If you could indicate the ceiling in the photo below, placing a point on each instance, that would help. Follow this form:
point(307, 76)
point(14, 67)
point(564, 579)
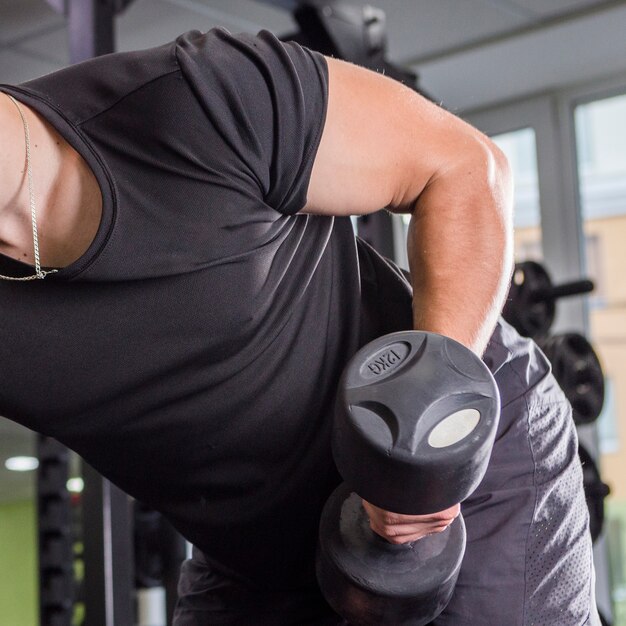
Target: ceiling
point(469, 54)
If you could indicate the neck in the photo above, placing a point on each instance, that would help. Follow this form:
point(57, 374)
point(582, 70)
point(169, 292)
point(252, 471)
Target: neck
point(65, 192)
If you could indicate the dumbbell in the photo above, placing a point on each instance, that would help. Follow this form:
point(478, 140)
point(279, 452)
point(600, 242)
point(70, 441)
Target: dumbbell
point(530, 305)
point(415, 421)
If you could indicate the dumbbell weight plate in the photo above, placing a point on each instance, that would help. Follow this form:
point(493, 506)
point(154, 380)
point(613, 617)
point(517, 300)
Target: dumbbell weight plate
point(577, 369)
point(415, 422)
point(372, 582)
point(595, 492)
point(531, 317)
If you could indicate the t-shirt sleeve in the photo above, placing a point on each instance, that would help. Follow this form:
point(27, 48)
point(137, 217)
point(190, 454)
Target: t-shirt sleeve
point(267, 99)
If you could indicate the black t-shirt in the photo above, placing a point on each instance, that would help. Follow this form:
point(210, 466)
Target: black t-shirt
point(191, 355)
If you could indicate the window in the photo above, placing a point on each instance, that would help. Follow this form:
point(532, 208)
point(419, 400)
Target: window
point(601, 150)
point(521, 151)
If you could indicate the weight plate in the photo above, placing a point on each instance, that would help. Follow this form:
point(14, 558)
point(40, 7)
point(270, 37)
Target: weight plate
point(530, 316)
point(595, 492)
point(578, 371)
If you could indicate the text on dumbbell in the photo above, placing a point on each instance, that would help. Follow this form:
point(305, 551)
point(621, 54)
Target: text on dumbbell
point(384, 362)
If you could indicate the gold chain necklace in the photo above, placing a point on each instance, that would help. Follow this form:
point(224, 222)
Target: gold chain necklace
point(39, 273)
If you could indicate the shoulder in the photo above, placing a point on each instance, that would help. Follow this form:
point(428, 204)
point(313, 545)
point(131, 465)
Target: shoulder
point(84, 90)
point(260, 67)
point(263, 49)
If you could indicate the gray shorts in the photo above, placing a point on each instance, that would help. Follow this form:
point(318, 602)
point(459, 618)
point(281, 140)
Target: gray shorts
point(528, 559)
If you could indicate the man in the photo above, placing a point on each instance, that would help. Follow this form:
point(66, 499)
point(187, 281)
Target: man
point(198, 290)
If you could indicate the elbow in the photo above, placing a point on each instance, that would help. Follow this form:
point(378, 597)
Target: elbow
point(500, 180)
point(504, 184)
point(503, 173)
point(494, 184)
point(500, 184)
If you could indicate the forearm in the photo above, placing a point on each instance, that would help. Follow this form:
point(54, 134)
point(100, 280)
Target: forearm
point(460, 248)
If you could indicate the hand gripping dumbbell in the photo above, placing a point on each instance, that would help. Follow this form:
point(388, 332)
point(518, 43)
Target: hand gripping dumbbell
point(415, 422)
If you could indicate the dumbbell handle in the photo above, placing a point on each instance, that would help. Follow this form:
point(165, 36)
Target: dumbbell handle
point(574, 288)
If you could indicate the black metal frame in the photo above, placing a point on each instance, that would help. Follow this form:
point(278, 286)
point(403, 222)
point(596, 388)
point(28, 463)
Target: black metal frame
point(56, 572)
point(108, 552)
point(91, 25)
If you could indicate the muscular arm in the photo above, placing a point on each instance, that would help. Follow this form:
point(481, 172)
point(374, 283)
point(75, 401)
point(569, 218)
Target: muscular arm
point(383, 145)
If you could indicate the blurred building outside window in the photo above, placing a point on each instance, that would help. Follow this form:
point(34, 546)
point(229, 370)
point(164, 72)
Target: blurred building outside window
point(521, 150)
point(601, 151)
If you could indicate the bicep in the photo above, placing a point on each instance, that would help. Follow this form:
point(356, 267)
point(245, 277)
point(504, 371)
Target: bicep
point(381, 145)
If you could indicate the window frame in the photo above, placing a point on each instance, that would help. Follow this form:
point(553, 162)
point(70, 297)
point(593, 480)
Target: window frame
point(552, 116)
